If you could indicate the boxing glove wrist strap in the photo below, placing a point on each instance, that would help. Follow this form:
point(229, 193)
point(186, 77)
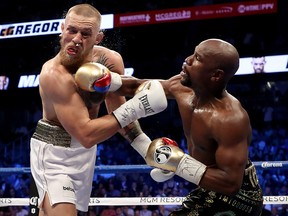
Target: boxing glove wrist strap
point(141, 144)
point(125, 114)
point(116, 82)
point(191, 169)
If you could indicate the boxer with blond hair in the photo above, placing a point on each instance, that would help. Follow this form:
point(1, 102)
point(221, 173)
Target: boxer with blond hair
point(63, 146)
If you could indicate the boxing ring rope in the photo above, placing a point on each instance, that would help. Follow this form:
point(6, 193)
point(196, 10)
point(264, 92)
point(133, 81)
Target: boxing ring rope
point(132, 201)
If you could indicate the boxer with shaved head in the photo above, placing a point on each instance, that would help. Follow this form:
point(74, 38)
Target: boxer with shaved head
point(218, 133)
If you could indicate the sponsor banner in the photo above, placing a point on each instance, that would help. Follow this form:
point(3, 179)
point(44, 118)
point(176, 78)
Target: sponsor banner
point(131, 201)
point(45, 27)
point(196, 13)
point(26, 29)
point(271, 164)
point(109, 21)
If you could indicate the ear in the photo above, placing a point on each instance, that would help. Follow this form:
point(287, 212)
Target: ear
point(99, 37)
point(62, 26)
point(217, 75)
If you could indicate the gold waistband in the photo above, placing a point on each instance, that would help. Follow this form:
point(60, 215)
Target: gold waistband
point(51, 134)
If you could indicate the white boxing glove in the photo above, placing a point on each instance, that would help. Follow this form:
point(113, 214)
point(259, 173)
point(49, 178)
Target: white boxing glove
point(160, 175)
point(149, 101)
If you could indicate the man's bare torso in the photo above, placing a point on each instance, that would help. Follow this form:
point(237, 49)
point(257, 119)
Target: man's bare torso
point(201, 122)
point(92, 100)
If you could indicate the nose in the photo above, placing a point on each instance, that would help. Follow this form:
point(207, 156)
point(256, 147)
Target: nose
point(188, 59)
point(77, 39)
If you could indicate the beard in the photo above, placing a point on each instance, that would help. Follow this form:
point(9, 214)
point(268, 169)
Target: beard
point(185, 81)
point(72, 63)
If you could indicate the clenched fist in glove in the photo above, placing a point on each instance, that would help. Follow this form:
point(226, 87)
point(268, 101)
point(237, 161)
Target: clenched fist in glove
point(96, 77)
point(149, 101)
point(141, 144)
point(164, 154)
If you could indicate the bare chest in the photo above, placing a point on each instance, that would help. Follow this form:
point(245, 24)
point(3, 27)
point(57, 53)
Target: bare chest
point(198, 128)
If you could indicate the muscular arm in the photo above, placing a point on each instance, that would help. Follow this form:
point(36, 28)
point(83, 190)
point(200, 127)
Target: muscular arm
point(114, 62)
point(63, 105)
point(171, 86)
point(232, 134)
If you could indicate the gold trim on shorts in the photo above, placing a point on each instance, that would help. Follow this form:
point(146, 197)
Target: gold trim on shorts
point(51, 134)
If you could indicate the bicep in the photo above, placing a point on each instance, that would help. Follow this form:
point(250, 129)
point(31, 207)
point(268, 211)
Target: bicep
point(113, 61)
point(232, 152)
point(69, 106)
point(116, 65)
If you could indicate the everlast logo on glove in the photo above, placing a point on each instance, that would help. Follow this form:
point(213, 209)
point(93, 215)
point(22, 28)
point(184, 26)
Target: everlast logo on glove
point(149, 101)
point(145, 102)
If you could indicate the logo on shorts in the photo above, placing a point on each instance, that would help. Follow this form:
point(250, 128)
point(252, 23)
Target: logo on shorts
point(68, 189)
point(162, 154)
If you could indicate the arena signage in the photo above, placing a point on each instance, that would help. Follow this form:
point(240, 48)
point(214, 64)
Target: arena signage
point(271, 64)
point(132, 201)
point(29, 81)
point(31, 28)
point(109, 21)
point(46, 27)
point(271, 164)
point(196, 13)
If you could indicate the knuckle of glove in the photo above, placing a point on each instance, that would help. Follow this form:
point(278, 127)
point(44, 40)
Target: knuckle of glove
point(152, 97)
point(103, 84)
point(89, 74)
point(169, 141)
point(161, 99)
point(142, 87)
point(162, 155)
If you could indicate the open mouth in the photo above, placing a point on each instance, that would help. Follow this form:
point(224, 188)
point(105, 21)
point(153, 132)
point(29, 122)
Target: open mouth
point(71, 51)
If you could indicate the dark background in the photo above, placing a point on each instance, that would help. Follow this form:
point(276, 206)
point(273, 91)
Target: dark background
point(154, 51)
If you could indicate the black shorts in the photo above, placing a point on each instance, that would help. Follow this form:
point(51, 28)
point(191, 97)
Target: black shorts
point(248, 201)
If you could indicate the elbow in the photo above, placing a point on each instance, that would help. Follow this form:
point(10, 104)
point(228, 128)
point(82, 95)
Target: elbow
point(87, 143)
point(232, 189)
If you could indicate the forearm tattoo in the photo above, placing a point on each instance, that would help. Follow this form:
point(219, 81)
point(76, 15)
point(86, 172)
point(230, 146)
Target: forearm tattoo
point(131, 131)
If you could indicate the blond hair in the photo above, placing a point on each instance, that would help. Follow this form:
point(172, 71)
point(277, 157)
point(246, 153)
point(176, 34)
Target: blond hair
point(86, 10)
